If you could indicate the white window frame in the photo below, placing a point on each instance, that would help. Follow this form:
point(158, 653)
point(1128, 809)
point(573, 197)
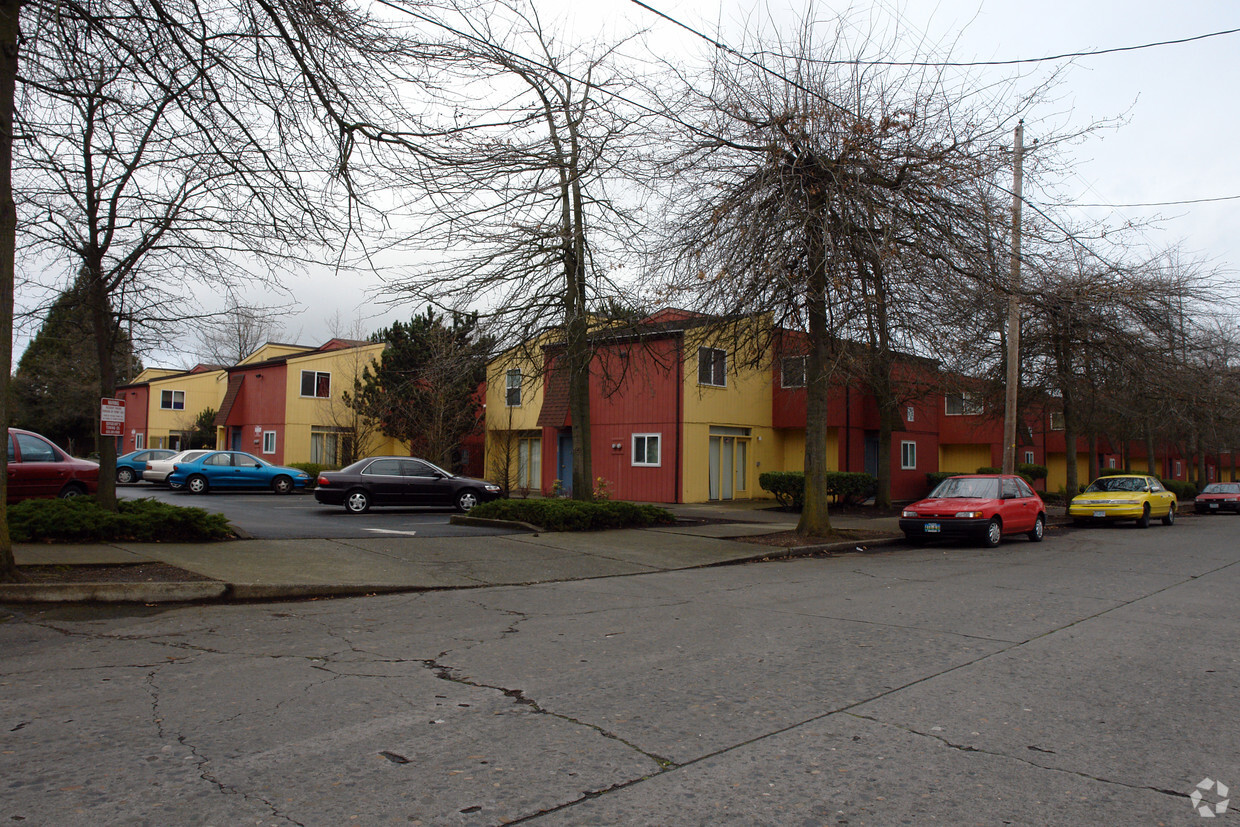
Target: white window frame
point(970, 404)
point(315, 384)
point(510, 386)
point(1110, 462)
point(139, 441)
point(1056, 421)
point(909, 413)
point(645, 440)
point(529, 462)
point(269, 442)
point(1029, 458)
point(801, 371)
point(908, 455)
point(1178, 468)
point(173, 396)
point(717, 366)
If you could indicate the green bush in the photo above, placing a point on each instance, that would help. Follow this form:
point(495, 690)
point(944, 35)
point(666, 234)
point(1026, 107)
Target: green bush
point(789, 486)
point(986, 469)
point(1183, 489)
point(933, 478)
point(84, 520)
point(1031, 472)
point(313, 469)
point(1114, 472)
point(574, 515)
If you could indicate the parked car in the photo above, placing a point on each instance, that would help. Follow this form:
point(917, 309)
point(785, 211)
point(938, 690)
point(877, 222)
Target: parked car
point(129, 468)
point(233, 470)
point(400, 481)
point(1218, 496)
point(985, 507)
point(158, 470)
point(1124, 497)
point(37, 468)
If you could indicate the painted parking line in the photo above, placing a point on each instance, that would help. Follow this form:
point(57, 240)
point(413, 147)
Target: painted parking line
point(390, 531)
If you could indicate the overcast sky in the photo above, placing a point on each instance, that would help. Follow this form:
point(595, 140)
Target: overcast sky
point(1177, 141)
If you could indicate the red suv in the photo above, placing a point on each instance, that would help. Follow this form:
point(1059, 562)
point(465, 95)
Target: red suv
point(37, 468)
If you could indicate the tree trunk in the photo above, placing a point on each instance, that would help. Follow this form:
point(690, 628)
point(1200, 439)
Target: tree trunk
point(1093, 456)
point(815, 520)
point(8, 251)
point(104, 327)
point(1151, 461)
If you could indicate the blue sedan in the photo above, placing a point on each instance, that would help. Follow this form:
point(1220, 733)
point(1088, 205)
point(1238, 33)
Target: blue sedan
point(235, 469)
point(129, 468)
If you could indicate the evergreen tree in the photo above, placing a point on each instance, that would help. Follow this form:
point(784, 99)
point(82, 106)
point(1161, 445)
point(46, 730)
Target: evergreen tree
point(56, 387)
point(424, 390)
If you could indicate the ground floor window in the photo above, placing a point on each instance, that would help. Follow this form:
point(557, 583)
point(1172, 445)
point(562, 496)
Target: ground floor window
point(329, 446)
point(269, 442)
point(1029, 457)
point(908, 455)
point(646, 449)
point(139, 441)
point(529, 463)
point(728, 461)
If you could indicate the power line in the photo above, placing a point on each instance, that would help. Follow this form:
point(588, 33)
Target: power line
point(932, 63)
point(1156, 203)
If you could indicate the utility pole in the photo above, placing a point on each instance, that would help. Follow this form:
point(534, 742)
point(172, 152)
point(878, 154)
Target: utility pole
point(1013, 326)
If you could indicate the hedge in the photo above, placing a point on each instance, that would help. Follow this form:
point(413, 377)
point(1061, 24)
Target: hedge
point(313, 469)
point(933, 478)
point(789, 486)
point(84, 520)
point(1183, 489)
point(574, 515)
point(1032, 472)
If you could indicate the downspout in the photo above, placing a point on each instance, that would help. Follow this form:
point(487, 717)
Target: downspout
point(847, 426)
point(680, 415)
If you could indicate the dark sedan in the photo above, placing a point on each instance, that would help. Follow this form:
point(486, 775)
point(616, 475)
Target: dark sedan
point(399, 481)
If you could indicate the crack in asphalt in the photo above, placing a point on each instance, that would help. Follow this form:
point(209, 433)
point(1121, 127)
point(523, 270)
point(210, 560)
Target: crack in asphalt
point(200, 760)
point(996, 754)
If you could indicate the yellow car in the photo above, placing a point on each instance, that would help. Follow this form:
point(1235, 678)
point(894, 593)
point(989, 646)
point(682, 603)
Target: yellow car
point(1126, 497)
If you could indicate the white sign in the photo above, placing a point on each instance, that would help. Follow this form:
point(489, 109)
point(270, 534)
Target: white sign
point(111, 417)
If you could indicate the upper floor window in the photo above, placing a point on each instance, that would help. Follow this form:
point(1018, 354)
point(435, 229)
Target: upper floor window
point(172, 400)
point(961, 404)
point(909, 413)
point(712, 367)
point(512, 388)
point(792, 372)
point(316, 383)
point(1056, 421)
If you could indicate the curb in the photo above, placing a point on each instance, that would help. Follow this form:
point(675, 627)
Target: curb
point(484, 522)
point(186, 592)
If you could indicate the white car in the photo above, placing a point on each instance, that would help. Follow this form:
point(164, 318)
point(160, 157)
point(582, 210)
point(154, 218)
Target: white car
point(157, 470)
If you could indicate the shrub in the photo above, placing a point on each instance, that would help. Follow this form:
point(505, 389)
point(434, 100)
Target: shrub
point(986, 469)
point(574, 515)
point(1114, 472)
point(1183, 489)
point(84, 520)
point(789, 486)
point(313, 469)
point(1031, 472)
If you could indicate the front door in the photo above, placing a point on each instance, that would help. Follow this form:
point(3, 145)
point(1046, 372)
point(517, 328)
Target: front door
point(871, 454)
point(564, 463)
point(235, 441)
point(721, 465)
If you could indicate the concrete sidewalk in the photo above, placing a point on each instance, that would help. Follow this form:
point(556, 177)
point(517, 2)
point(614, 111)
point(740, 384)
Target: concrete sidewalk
point(274, 569)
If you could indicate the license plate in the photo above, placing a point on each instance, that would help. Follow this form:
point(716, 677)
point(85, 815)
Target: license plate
point(1214, 505)
point(932, 528)
point(1100, 513)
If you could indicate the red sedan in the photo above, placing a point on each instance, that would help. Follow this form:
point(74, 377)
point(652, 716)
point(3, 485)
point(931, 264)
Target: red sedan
point(1218, 496)
point(37, 468)
point(985, 507)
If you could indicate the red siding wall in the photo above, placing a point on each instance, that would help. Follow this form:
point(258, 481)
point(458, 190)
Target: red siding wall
point(260, 403)
point(136, 399)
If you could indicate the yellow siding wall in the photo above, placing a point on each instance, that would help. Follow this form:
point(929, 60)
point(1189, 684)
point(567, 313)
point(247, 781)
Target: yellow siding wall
point(202, 391)
point(502, 421)
point(301, 412)
point(794, 450)
point(272, 350)
point(963, 459)
point(1057, 471)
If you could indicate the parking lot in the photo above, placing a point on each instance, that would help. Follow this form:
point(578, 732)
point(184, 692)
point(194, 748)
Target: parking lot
point(266, 515)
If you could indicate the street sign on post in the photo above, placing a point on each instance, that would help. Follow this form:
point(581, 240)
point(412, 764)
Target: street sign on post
point(111, 417)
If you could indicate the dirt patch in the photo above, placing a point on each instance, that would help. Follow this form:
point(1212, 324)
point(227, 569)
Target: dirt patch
point(848, 510)
point(123, 573)
point(790, 539)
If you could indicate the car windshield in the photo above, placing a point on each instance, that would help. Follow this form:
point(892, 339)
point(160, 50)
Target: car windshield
point(984, 488)
point(1222, 488)
point(1117, 484)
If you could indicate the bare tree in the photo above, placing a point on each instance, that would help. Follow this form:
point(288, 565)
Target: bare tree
point(525, 195)
point(817, 186)
point(227, 337)
point(164, 142)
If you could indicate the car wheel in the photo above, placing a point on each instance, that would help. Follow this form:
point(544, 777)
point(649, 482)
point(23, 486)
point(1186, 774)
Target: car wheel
point(1144, 520)
point(1170, 518)
point(197, 484)
point(467, 499)
point(357, 501)
point(72, 490)
point(282, 484)
point(994, 533)
point(1039, 529)
point(124, 475)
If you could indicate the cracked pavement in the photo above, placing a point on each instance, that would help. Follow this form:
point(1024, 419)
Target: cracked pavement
point(1092, 678)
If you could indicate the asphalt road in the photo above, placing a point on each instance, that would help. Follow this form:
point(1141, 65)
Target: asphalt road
point(267, 515)
point(1090, 679)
